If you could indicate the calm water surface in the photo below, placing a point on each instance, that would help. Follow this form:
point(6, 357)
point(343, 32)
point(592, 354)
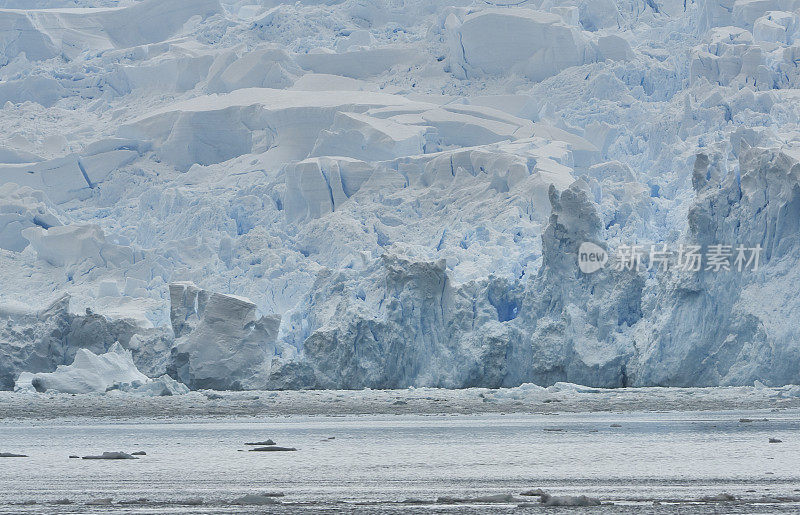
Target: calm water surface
point(375, 463)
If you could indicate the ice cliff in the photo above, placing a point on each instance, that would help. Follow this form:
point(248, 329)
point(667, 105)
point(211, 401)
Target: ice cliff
point(249, 194)
point(221, 343)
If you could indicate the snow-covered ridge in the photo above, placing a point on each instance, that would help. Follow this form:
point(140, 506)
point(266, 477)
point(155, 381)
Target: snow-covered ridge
point(254, 195)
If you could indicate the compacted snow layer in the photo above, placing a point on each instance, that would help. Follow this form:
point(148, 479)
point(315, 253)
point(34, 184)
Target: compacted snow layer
point(376, 194)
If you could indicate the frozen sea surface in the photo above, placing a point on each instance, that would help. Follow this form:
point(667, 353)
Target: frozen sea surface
point(658, 462)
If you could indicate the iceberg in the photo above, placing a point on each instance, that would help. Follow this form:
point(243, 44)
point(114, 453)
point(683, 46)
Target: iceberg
point(93, 373)
point(87, 373)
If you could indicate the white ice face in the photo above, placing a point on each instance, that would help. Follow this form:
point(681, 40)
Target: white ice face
point(87, 373)
point(360, 194)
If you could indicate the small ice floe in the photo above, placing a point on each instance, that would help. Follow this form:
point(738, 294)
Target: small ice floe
point(112, 456)
point(163, 386)
point(139, 453)
point(257, 500)
point(12, 455)
point(777, 499)
point(105, 501)
point(140, 500)
point(558, 500)
point(265, 442)
point(484, 499)
point(99, 373)
point(568, 500)
point(272, 448)
point(538, 492)
point(723, 497)
point(775, 440)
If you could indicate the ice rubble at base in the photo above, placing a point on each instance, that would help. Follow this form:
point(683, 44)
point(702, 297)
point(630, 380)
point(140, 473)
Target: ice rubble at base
point(89, 372)
point(375, 195)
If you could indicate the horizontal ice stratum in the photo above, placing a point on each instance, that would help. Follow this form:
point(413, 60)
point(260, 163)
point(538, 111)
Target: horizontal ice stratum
point(392, 193)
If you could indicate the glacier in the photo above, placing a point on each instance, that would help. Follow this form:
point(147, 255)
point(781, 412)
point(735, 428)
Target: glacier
point(255, 194)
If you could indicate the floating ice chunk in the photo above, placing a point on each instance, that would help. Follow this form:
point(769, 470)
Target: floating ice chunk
point(111, 456)
point(256, 500)
point(103, 501)
point(537, 492)
point(723, 497)
point(163, 386)
point(87, 373)
point(483, 499)
point(568, 500)
point(264, 443)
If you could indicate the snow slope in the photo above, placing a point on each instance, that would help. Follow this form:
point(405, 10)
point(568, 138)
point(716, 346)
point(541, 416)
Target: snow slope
point(254, 194)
